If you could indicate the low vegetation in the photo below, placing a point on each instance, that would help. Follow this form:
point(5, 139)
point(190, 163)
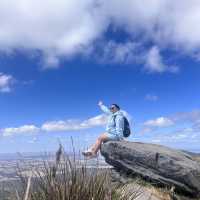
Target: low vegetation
point(68, 179)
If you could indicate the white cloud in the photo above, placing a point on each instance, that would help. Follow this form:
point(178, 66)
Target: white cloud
point(60, 125)
point(99, 120)
point(76, 125)
point(183, 127)
point(155, 63)
point(151, 97)
point(5, 82)
point(183, 135)
point(151, 125)
point(116, 52)
point(56, 28)
point(73, 125)
point(168, 22)
point(193, 116)
point(68, 125)
point(66, 28)
point(25, 129)
point(159, 122)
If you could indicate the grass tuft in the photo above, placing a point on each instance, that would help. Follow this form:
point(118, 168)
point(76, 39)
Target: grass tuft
point(69, 179)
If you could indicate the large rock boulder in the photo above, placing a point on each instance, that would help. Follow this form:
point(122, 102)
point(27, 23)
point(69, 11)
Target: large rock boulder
point(155, 163)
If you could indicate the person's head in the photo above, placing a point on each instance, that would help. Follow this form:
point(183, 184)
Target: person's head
point(114, 108)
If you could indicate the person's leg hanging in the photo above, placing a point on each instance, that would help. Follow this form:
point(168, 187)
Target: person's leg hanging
point(102, 138)
point(95, 148)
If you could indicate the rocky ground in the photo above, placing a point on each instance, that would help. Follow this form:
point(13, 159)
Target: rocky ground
point(177, 173)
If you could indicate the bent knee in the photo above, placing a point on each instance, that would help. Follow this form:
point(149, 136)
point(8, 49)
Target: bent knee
point(103, 137)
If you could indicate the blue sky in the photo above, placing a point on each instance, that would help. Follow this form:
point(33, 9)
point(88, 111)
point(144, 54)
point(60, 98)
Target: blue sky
point(54, 68)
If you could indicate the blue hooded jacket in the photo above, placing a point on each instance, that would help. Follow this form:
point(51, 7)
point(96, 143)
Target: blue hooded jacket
point(115, 128)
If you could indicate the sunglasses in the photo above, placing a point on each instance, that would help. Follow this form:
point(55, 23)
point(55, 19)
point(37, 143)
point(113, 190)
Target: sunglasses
point(112, 108)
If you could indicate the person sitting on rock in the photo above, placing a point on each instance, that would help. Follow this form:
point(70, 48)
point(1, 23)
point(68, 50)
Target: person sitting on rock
point(114, 128)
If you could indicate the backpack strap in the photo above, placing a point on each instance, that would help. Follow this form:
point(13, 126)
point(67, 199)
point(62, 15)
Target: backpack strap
point(114, 120)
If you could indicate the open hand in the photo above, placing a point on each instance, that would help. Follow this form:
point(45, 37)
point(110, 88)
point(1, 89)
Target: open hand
point(100, 103)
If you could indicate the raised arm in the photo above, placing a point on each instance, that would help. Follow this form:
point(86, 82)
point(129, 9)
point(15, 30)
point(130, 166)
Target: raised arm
point(104, 108)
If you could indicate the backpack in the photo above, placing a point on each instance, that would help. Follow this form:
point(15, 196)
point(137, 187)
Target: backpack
point(126, 129)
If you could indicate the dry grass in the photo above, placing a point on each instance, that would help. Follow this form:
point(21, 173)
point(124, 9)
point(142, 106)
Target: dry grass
point(69, 179)
point(162, 194)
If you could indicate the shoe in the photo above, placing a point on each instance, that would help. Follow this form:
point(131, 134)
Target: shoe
point(93, 155)
point(87, 153)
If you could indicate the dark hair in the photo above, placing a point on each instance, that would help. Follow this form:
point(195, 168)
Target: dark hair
point(116, 106)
